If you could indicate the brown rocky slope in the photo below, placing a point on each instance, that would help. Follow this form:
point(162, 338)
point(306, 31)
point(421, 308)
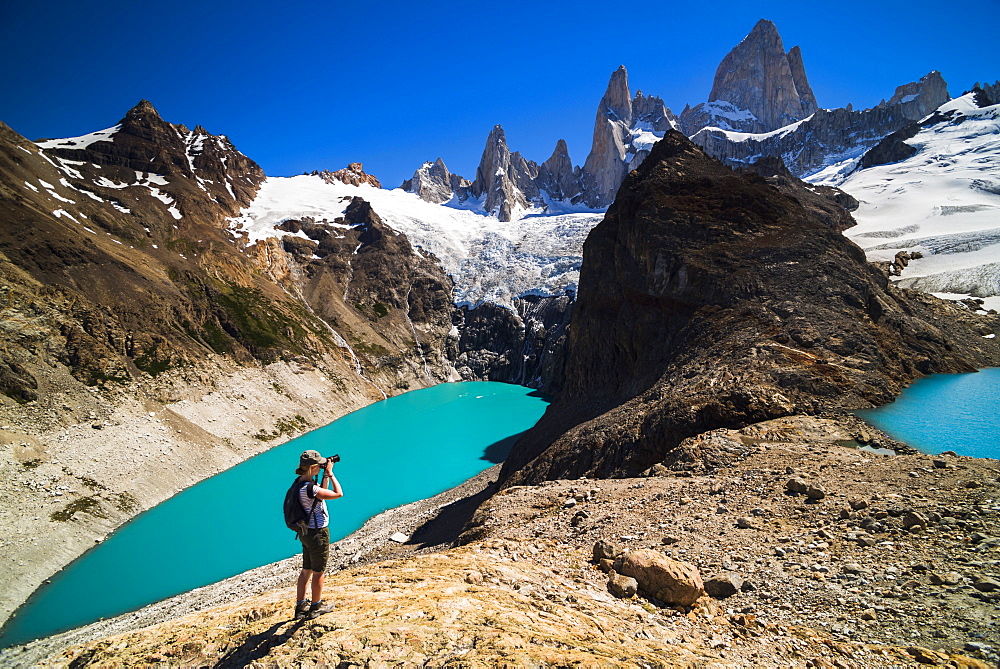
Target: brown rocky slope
point(709, 299)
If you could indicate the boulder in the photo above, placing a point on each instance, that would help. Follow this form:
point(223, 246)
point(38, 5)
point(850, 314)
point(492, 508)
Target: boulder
point(724, 585)
point(622, 587)
point(803, 487)
point(671, 581)
point(949, 578)
point(605, 550)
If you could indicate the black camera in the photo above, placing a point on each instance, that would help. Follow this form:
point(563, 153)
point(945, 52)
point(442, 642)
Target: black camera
point(334, 458)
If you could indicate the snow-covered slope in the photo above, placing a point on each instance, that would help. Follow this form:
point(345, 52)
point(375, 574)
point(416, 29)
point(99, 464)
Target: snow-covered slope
point(943, 201)
point(490, 260)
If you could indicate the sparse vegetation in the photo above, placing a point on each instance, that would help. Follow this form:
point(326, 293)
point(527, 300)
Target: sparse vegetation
point(283, 426)
point(150, 363)
point(89, 504)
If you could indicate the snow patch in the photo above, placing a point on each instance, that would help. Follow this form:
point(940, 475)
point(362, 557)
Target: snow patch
point(81, 142)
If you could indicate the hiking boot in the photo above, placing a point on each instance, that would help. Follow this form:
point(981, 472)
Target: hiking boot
point(319, 608)
point(302, 609)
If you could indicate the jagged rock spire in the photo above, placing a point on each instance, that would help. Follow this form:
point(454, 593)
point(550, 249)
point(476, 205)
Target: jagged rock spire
point(617, 100)
point(557, 176)
point(606, 168)
point(759, 77)
point(506, 179)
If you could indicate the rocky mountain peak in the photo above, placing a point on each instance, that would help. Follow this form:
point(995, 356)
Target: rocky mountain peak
point(143, 110)
point(759, 77)
point(434, 183)
point(606, 166)
point(617, 101)
point(506, 180)
point(917, 99)
point(557, 176)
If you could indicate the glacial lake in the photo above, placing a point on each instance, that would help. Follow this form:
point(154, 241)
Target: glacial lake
point(946, 412)
point(393, 452)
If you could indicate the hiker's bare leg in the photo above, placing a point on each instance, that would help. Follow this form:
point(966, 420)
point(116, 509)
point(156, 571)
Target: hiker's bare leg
point(318, 577)
point(300, 587)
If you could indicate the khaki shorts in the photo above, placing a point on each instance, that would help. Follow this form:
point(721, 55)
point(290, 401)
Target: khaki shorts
point(316, 549)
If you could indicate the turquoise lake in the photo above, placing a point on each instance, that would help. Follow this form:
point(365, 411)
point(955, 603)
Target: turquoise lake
point(946, 412)
point(393, 452)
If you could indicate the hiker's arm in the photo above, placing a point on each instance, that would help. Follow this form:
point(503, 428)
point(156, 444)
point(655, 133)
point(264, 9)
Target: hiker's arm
point(334, 491)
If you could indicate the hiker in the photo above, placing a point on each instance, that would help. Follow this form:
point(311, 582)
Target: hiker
point(316, 539)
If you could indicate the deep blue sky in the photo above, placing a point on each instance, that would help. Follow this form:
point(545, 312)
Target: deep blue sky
point(314, 85)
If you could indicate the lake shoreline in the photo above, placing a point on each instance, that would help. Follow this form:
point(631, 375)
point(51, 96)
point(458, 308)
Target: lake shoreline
point(852, 572)
point(368, 544)
point(98, 457)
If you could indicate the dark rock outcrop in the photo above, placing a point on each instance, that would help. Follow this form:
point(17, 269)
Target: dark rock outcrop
point(709, 299)
point(830, 205)
point(892, 149)
point(526, 345)
point(991, 92)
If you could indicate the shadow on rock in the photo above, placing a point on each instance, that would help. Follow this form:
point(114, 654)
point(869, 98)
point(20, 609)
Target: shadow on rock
point(447, 525)
point(258, 646)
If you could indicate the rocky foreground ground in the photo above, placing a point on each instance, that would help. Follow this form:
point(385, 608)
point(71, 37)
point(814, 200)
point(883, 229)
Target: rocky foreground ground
point(816, 553)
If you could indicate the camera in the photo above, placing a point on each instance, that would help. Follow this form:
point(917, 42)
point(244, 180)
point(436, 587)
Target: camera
point(333, 458)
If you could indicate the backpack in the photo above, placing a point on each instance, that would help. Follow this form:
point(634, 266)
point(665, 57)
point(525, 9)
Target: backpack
point(296, 518)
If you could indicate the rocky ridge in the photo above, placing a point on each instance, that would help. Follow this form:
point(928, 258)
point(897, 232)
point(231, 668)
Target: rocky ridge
point(708, 299)
point(828, 137)
point(760, 105)
point(354, 175)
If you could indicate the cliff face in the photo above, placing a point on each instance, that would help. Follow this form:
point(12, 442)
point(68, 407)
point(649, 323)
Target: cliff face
point(709, 299)
point(525, 345)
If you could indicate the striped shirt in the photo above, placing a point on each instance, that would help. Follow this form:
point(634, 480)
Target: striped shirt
point(319, 517)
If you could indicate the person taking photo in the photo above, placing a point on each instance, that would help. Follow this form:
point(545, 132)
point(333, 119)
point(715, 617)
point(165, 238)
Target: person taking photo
point(316, 539)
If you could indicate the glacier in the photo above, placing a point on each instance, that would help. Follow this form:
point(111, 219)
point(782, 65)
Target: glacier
point(537, 253)
point(943, 202)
